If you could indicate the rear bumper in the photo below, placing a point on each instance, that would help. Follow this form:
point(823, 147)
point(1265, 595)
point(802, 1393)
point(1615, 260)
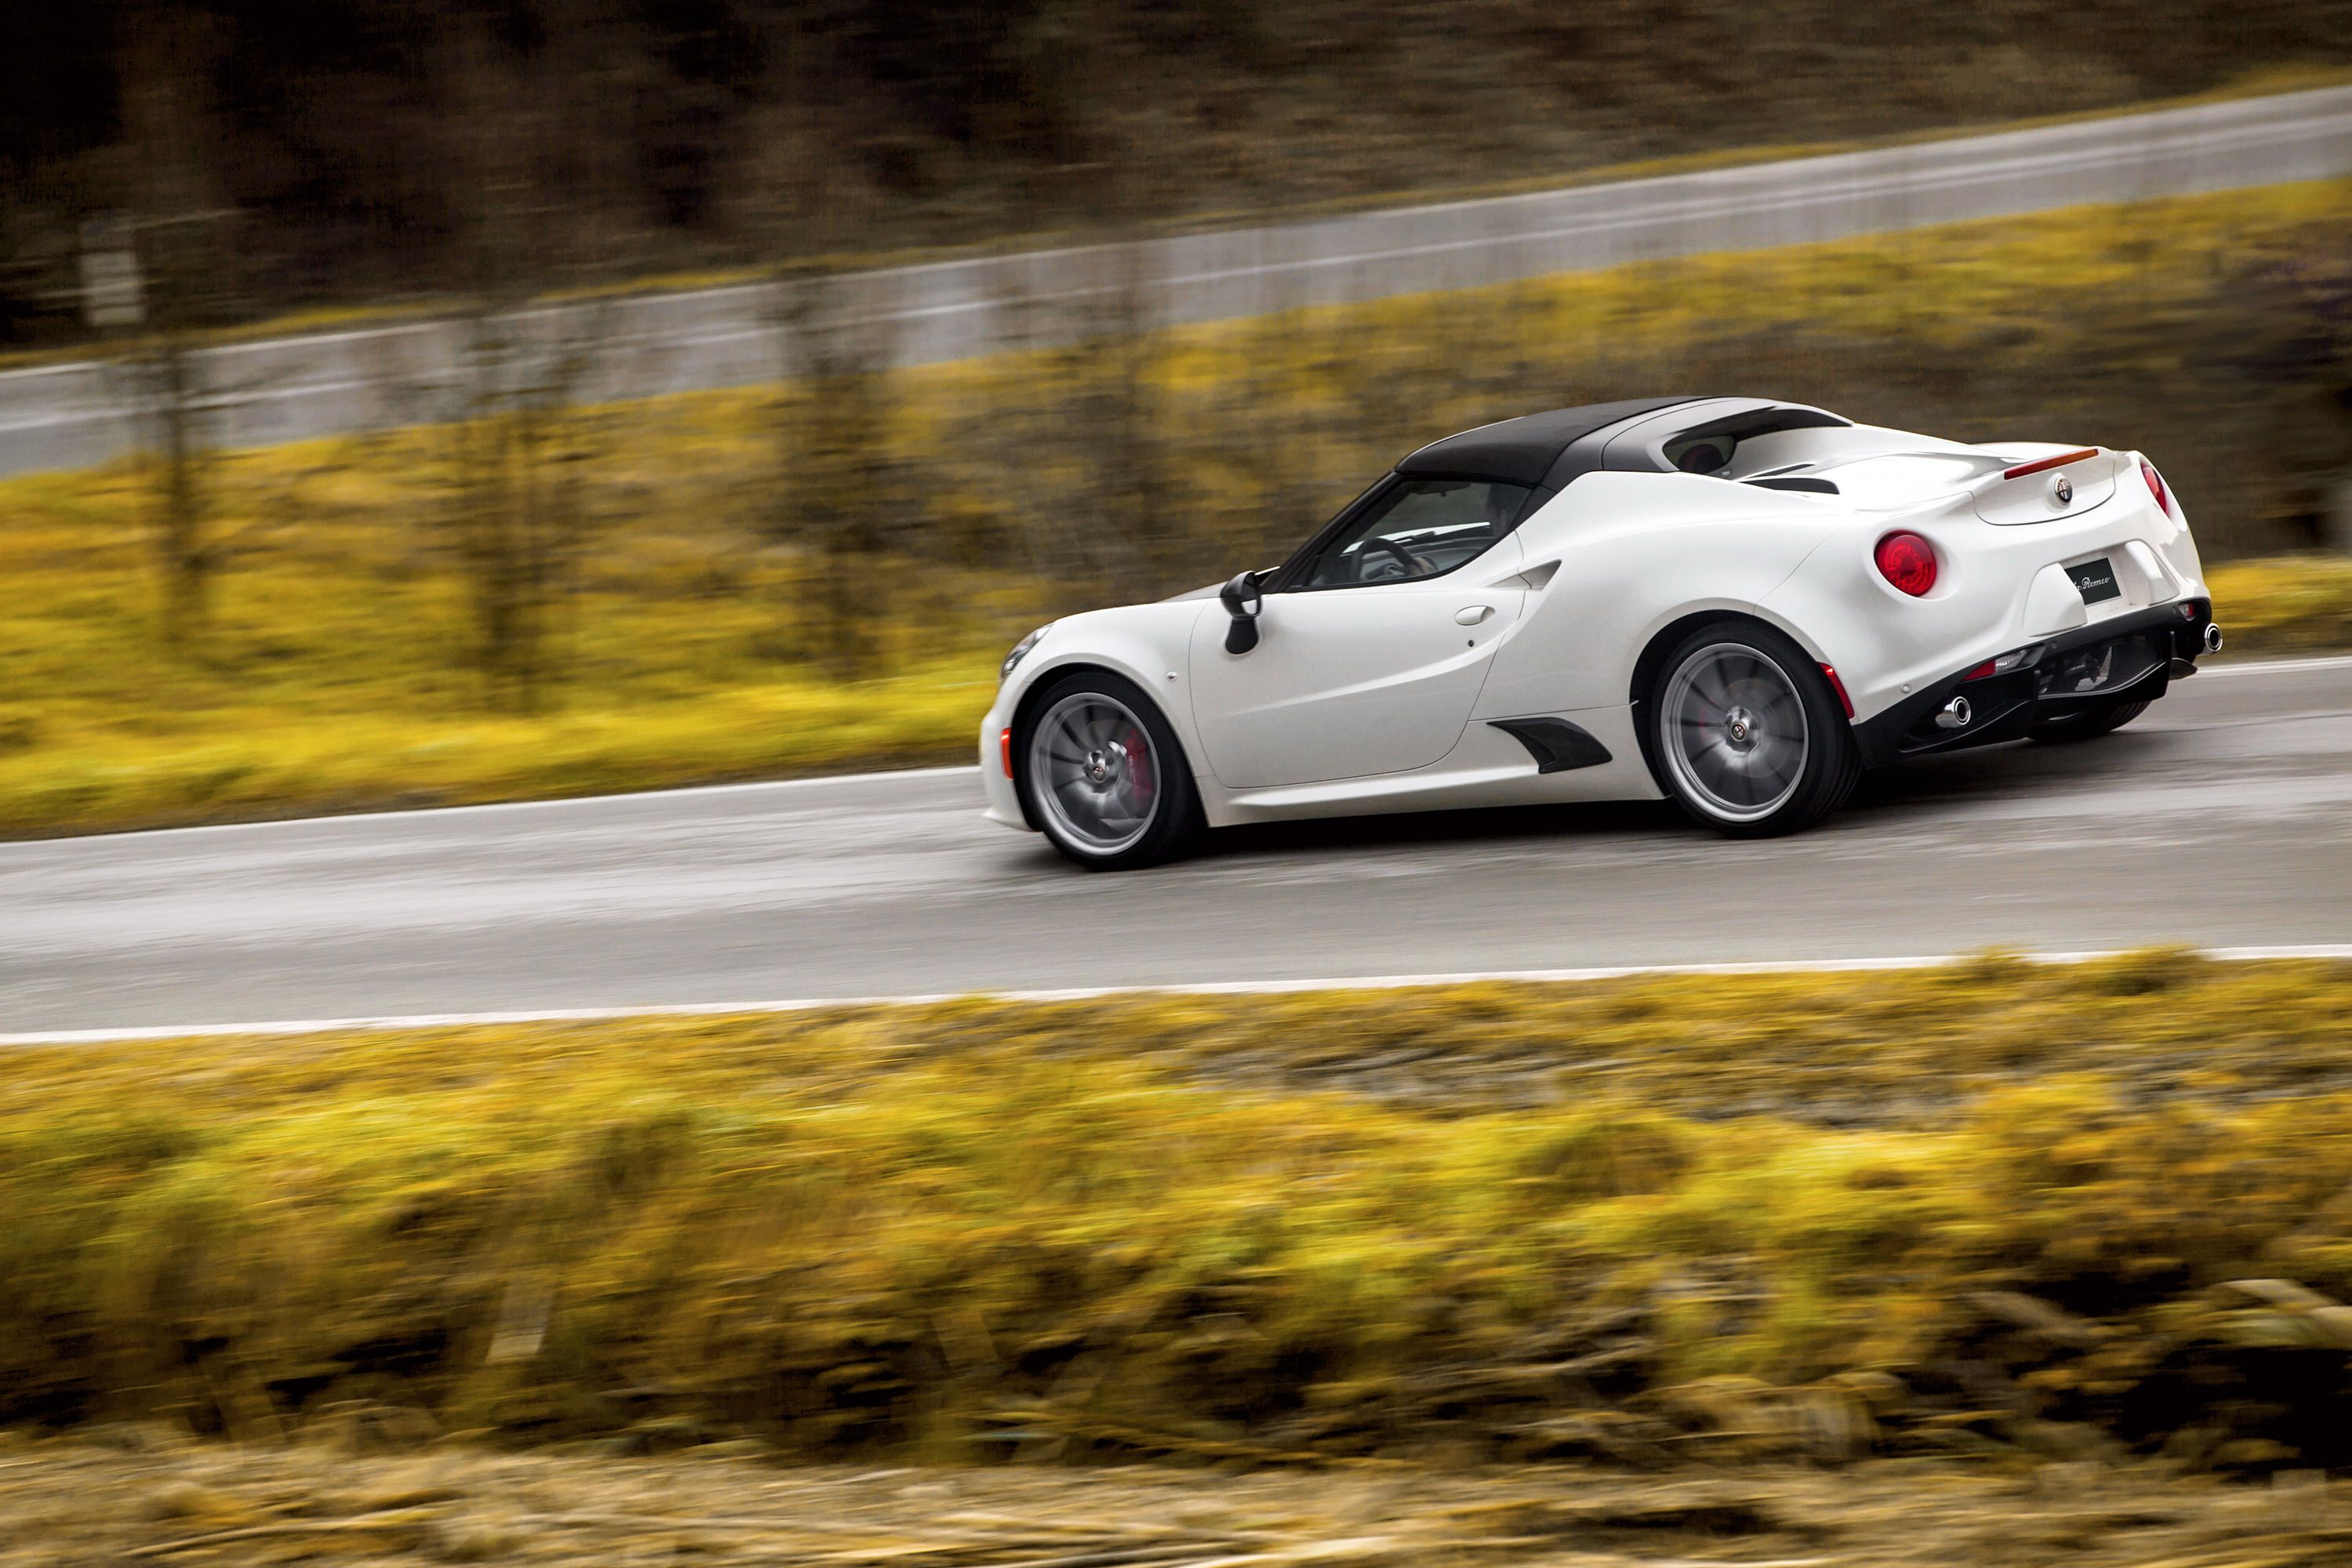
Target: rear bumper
point(2151, 648)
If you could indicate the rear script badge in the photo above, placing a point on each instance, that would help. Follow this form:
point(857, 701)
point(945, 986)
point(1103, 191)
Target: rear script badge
point(2095, 581)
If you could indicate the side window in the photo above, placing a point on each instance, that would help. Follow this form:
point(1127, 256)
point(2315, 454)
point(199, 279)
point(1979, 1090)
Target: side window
point(1422, 528)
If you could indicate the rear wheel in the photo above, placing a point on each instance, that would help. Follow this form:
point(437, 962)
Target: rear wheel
point(1102, 774)
point(1748, 736)
point(2085, 723)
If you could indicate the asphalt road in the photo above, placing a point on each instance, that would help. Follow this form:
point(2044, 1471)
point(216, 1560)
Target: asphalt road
point(2223, 817)
point(72, 416)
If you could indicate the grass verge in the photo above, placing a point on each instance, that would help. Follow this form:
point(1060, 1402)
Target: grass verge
point(2287, 605)
point(1995, 1207)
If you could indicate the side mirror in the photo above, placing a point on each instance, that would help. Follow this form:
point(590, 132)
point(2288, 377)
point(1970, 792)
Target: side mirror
point(1243, 601)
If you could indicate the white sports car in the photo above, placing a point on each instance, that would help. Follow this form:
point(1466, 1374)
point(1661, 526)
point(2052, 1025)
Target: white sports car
point(1738, 602)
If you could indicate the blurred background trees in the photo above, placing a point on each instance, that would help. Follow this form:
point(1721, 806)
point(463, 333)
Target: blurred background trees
point(2289, 349)
point(174, 242)
point(517, 436)
point(837, 495)
point(690, 127)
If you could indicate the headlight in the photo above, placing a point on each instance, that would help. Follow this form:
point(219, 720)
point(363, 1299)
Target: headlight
point(1021, 652)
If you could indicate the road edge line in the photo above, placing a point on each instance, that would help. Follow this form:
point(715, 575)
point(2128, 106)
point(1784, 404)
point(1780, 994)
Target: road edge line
point(2279, 665)
point(399, 1023)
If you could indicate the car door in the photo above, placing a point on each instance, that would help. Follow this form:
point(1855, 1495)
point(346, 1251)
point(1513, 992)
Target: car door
point(1365, 677)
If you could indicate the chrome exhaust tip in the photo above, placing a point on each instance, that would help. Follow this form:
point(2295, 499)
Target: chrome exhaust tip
point(1955, 714)
point(2212, 638)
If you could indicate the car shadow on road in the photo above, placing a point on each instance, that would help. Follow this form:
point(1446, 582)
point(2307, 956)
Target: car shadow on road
point(2017, 768)
point(1905, 788)
point(1484, 824)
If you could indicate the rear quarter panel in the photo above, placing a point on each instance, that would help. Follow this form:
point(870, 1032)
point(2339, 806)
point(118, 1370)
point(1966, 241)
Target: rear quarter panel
point(1634, 554)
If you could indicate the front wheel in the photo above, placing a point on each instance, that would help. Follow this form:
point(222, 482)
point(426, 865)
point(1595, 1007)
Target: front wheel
point(1748, 736)
point(1102, 774)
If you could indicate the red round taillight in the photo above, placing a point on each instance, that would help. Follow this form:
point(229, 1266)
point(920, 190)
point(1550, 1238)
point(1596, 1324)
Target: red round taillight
point(1906, 561)
point(2155, 485)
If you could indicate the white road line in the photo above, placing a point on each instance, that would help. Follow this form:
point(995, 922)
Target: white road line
point(2278, 666)
point(883, 776)
point(2319, 950)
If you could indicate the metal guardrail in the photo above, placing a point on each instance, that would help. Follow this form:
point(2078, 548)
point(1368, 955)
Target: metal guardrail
point(74, 414)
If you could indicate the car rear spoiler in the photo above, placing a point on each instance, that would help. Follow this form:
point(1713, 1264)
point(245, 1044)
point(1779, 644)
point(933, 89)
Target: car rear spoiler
point(2045, 487)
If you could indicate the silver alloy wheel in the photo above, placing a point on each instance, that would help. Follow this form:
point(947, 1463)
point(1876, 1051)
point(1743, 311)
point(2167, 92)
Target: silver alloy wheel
point(1095, 772)
point(1734, 732)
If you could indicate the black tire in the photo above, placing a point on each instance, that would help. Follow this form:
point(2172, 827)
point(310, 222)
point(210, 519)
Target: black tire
point(1746, 735)
point(2085, 724)
point(1119, 805)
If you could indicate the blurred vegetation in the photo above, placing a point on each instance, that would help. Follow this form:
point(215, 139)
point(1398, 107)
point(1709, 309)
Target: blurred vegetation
point(544, 597)
point(1998, 1208)
point(335, 142)
point(2296, 604)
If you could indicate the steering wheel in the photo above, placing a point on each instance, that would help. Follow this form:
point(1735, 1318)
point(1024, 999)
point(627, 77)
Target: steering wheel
point(1412, 565)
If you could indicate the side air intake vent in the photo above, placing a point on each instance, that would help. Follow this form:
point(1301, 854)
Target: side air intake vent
point(1556, 745)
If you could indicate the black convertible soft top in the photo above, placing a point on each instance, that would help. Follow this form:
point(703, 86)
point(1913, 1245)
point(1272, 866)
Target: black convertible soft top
point(1524, 450)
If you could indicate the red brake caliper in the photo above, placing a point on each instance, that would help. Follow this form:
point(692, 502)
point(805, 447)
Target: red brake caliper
point(1138, 761)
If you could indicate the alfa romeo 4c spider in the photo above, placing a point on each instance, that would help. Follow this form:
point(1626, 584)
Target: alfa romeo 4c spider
point(1731, 601)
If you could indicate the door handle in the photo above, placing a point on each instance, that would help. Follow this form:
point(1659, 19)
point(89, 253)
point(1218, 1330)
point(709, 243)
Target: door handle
point(1472, 615)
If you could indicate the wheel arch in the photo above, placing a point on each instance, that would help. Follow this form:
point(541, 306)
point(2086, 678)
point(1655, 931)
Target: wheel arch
point(1649, 666)
point(1025, 712)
